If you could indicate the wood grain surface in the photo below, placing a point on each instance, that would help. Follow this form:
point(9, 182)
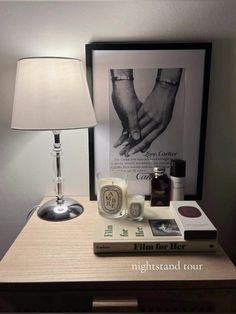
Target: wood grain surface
point(63, 252)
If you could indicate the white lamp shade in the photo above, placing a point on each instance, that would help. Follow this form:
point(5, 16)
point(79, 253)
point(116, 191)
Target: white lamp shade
point(51, 94)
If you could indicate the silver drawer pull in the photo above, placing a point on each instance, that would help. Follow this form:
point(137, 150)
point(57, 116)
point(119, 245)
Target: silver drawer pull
point(112, 304)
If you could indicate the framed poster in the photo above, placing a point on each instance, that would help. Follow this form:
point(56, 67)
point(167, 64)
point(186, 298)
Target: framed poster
point(150, 101)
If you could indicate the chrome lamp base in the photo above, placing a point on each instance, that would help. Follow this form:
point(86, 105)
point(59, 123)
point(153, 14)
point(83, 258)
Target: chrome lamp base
point(60, 211)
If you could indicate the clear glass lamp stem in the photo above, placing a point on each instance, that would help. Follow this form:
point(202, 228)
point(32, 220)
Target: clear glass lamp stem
point(60, 208)
point(58, 150)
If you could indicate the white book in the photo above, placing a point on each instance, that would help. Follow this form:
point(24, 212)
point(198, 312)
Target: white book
point(158, 232)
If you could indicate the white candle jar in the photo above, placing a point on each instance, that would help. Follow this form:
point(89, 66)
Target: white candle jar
point(111, 196)
point(135, 207)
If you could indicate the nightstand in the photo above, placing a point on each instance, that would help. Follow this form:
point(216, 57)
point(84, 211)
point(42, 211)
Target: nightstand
point(51, 267)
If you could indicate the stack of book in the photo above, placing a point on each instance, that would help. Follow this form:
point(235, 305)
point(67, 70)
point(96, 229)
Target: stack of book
point(181, 227)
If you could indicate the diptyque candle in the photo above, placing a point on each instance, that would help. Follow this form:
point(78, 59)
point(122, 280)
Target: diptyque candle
point(135, 207)
point(112, 195)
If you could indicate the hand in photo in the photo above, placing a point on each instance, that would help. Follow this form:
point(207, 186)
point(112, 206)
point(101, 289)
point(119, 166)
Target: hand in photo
point(126, 104)
point(155, 114)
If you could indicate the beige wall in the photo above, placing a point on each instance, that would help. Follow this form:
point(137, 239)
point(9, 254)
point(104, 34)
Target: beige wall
point(219, 197)
point(63, 28)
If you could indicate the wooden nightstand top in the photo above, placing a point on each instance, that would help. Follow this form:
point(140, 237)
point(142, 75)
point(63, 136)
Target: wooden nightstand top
point(62, 252)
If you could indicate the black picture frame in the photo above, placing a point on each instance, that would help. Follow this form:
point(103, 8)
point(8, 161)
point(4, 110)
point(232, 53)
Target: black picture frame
point(140, 47)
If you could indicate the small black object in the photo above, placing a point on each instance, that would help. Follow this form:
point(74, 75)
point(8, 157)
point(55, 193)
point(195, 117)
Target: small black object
point(178, 168)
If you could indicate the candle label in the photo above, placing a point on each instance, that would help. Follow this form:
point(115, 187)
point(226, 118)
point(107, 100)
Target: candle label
point(135, 210)
point(111, 199)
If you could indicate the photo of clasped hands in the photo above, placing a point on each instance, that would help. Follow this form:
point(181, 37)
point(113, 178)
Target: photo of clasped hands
point(143, 122)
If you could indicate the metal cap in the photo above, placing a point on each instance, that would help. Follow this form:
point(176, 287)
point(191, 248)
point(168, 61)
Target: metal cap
point(158, 170)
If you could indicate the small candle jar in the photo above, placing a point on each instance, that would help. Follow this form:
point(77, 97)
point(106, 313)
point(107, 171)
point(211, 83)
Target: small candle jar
point(112, 196)
point(135, 207)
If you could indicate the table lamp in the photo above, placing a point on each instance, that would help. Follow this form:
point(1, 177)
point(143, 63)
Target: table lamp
point(52, 94)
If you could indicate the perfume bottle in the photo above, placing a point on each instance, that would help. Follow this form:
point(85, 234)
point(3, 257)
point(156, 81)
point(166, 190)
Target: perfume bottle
point(160, 188)
point(177, 178)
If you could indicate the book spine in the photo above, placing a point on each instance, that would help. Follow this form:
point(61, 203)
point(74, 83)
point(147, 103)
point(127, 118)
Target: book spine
point(148, 247)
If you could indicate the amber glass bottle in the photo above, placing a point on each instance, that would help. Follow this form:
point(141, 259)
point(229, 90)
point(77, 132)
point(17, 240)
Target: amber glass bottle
point(160, 188)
